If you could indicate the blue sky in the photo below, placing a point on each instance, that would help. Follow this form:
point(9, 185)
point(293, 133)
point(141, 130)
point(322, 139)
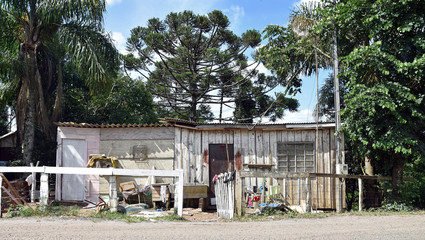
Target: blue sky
point(124, 15)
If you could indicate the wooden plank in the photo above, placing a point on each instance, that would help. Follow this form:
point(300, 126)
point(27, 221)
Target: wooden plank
point(259, 152)
point(191, 156)
point(177, 149)
point(273, 154)
point(185, 154)
point(251, 153)
point(274, 174)
point(16, 200)
point(12, 189)
point(237, 146)
point(245, 154)
point(198, 156)
point(205, 158)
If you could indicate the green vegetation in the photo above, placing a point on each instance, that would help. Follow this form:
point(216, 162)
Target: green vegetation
point(197, 62)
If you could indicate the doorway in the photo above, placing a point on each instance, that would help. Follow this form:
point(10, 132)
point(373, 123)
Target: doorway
point(220, 156)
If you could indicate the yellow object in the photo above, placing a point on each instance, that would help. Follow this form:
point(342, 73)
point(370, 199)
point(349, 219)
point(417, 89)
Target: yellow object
point(98, 158)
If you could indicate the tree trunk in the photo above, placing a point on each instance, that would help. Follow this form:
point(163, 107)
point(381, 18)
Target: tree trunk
point(397, 178)
point(29, 116)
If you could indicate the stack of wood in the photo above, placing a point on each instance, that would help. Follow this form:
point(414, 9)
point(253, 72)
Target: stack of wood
point(13, 193)
point(224, 186)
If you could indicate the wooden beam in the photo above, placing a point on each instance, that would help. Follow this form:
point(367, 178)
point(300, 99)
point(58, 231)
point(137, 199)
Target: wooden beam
point(12, 189)
point(274, 174)
point(11, 195)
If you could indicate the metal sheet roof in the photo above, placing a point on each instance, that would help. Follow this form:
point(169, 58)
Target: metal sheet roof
point(90, 125)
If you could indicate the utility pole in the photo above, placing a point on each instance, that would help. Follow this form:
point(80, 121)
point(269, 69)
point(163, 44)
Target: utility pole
point(338, 141)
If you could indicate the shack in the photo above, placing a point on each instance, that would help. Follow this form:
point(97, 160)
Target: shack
point(137, 146)
point(203, 150)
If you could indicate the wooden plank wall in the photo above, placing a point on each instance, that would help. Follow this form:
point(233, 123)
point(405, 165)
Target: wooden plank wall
point(258, 147)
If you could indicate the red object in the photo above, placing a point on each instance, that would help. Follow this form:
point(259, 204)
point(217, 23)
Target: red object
point(256, 198)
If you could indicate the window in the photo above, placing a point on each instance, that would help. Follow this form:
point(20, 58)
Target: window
point(295, 157)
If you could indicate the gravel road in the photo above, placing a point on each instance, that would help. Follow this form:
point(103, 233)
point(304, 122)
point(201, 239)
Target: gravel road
point(341, 227)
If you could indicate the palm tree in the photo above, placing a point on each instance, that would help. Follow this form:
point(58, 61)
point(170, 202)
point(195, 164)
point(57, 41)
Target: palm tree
point(37, 37)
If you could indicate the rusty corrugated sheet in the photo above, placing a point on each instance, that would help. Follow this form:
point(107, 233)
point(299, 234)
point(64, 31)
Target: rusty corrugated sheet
point(90, 125)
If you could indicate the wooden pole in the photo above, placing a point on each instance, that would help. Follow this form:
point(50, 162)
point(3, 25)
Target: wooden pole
point(113, 201)
point(308, 195)
point(360, 194)
point(239, 194)
point(44, 190)
point(284, 191)
point(180, 194)
point(1, 185)
point(338, 141)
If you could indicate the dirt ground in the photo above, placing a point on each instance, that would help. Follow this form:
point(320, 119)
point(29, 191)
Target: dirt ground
point(339, 227)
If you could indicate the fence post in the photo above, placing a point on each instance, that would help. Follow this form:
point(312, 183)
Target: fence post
point(33, 184)
point(308, 195)
point(1, 190)
point(239, 194)
point(180, 193)
point(44, 190)
point(360, 194)
point(113, 201)
point(284, 191)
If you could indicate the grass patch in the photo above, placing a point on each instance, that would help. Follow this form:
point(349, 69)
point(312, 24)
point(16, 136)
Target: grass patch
point(49, 211)
point(116, 216)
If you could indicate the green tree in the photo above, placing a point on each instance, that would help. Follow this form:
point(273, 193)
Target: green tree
point(36, 38)
point(126, 101)
point(191, 60)
point(384, 60)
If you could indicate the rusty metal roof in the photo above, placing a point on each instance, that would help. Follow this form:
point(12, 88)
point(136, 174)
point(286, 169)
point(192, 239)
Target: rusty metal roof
point(90, 125)
point(181, 121)
point(186, 123)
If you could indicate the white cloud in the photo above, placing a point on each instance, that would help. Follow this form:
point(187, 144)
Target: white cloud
point(119, 41)
point(112, 2)
point(236, 13)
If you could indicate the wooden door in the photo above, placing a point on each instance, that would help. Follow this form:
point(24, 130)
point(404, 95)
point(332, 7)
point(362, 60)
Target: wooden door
point(219, 157)
point(74, 155)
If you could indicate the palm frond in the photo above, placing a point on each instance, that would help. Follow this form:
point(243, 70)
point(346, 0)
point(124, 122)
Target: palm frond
point(91, 52)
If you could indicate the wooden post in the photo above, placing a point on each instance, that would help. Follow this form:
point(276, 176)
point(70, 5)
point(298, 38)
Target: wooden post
point(113, 201)
point(284, 191)
point(180, 194)
point(239, 194)
point(44, 190)
point(1, 190)
point(308, 194)
point(360, 194)
point(34, 183)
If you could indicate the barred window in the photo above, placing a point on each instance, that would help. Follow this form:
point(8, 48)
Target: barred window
point(295, 157)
